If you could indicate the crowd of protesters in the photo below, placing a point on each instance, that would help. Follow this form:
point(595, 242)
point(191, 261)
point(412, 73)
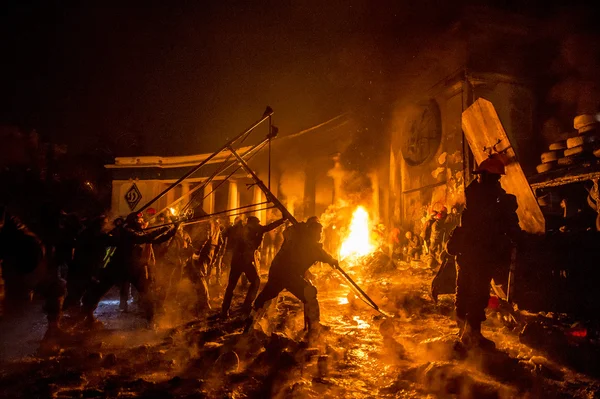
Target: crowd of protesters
point(73, 263)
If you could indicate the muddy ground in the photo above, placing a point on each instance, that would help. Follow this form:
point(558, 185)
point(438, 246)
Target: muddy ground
point(363, 355)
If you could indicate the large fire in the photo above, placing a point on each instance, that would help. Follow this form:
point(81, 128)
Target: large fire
point(358, 243)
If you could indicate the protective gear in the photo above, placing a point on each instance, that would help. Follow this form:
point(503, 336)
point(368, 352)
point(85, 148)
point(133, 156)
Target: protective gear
point(482, 245)
point(253, 220)
point(493, 165)
point(128, 263)
point(132, 220)
point(314, 231)
point(313, 219)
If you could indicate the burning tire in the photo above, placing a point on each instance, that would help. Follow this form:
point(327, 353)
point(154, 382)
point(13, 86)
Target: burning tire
point(579, 150)
point(545, 167)
point(566, 161)
point(558, 146)
point(584, 123)
point(583, 139)
point(550, 156)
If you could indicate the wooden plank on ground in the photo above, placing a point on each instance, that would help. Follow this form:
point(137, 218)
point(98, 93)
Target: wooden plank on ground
point(483, 128)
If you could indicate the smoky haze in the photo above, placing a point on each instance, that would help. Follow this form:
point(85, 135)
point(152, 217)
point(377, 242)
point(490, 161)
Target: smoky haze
point(180, 79)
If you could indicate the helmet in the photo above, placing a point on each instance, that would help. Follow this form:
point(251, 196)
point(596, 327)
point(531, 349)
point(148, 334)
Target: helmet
point(118, 221)
point(253, 219)
point(313, 219)
point(493, 165)
point(314, 225)
point(132, 218)
point(314, 228)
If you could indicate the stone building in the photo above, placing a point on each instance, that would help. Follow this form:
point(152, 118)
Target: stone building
point(302, 175)
point(486, 54)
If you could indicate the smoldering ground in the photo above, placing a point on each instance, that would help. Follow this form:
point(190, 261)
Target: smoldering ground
point(363, 355)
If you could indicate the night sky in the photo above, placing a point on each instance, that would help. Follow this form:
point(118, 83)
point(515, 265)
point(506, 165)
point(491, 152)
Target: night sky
point(181, 77)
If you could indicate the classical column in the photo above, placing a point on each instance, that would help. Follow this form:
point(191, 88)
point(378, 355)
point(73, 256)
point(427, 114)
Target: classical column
point(233, 196)
point(337, 173)
point(185, 188)
point(170, 197)
point(257, 197)
point(374, 196)
point(208, 204)
point(310, 191)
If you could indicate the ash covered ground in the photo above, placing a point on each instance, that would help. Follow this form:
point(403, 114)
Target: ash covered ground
point(363, 355)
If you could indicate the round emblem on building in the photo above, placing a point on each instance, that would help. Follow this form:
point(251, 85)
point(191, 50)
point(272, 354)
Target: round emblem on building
point(421, 132)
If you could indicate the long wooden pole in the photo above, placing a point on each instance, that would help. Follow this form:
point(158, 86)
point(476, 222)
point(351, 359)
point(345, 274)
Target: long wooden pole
point(267, 114)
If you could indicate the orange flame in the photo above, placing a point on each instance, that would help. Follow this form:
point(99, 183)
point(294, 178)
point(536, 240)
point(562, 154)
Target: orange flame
point(358, 243)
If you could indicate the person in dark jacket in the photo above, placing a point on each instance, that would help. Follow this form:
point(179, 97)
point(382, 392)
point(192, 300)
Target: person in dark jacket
point(301, 249)
point(90, 253)
point(128, 263)
point(25, 268)
point(232, 235)
point(483, 246)
point(426, 233)
point(243, 262)
point(202, 260)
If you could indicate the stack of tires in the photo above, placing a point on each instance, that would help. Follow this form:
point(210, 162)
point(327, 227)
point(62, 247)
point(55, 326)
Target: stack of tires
point(574, 150)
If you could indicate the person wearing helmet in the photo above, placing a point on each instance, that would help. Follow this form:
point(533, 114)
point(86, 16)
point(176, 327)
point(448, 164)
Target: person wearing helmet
point(413, 247)
point(244, 262)
point(426, 233)
point(483, 245)
point(438, 236)
point(301, 249)
point(128, 263)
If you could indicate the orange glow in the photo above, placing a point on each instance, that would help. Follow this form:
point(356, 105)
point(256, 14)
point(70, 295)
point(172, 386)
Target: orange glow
point(358, 243)
point(361, 324)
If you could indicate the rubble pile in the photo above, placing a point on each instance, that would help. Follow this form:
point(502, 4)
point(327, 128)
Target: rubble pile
point(578, 148)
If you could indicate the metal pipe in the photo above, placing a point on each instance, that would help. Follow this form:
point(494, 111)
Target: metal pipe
point(268, 112)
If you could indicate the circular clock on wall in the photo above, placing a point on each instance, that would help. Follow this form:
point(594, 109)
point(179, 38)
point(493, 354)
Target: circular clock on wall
point(421, 133)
